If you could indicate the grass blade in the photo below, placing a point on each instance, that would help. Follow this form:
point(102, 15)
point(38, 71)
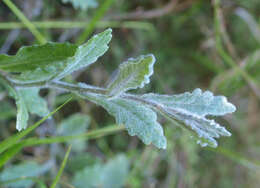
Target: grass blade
point(9, 142)
point(57, 178)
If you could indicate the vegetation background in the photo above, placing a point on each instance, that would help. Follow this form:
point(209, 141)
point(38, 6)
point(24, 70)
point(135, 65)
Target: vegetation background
point(213, 45)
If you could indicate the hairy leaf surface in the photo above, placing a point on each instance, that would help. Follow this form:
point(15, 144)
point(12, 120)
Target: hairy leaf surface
point(88, 53)
point(191, 109)
point(132, 74)
point(138, 119)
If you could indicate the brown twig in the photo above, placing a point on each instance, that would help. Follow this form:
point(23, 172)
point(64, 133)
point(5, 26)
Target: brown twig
point(173, 5)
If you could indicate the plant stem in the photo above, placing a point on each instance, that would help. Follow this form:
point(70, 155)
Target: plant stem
point(64, 162)
point(25, 21)
point(80, 24)
point(250, 80)
point(86, 136)
point(91, 26)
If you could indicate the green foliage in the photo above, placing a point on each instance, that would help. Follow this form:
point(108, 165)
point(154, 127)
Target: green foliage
point(75, 125)
point(112, 174)
point(135, 112)
point(23, 171)
point(191, 109)
point(194, 50)
point(132, 74)
point(138, 119)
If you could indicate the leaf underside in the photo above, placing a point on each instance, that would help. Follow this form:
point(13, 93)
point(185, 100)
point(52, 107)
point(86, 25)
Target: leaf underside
point(138, 119)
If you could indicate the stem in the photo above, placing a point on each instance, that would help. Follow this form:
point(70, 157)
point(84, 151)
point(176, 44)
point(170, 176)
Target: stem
point(91, 26)
point(249, 79)
point(79, 24)
point(25, 21)
point(86, 136)
point(64, 162)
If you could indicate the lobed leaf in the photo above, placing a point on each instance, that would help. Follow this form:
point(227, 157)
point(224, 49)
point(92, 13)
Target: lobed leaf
point(138, 119)
point(197, 103)
point(132, 74)
point(191, 109)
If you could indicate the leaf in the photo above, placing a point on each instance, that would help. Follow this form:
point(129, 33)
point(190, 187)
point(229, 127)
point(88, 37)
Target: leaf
point(82, 4)
point(103, 175)
point(22, 113)
point(35, 104)
point(138, 119)
point(134, 73)
point(53, 61)
point(29, 58)
point(197, 103)
point(74, 125)
point(28, 100)
point(191, 109)
point(26, 169)
point(88, 53)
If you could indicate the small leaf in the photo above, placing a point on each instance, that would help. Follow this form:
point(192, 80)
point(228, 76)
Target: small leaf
point(34, 103)
point(82, 4)
point(138, 119)
point(88, 53)
point(74, 125)
point(191, 109)
point(22, 113)
point(106, 175)
point(134, 73)
point(26, 169)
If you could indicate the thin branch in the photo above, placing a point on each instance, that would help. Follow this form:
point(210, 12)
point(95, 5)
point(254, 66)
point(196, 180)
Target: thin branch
point(172, 6)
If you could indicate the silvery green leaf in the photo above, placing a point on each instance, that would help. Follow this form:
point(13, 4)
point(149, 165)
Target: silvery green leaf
point(138, 119)
point(87, 53)
point(191, 109)
point(22, 112)
point(82, 4)
point(112, 174)
point(34, 102)
point(197, 103)
point(132, 74)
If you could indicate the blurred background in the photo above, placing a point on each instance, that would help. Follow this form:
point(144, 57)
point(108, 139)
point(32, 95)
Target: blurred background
point(213, 45)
